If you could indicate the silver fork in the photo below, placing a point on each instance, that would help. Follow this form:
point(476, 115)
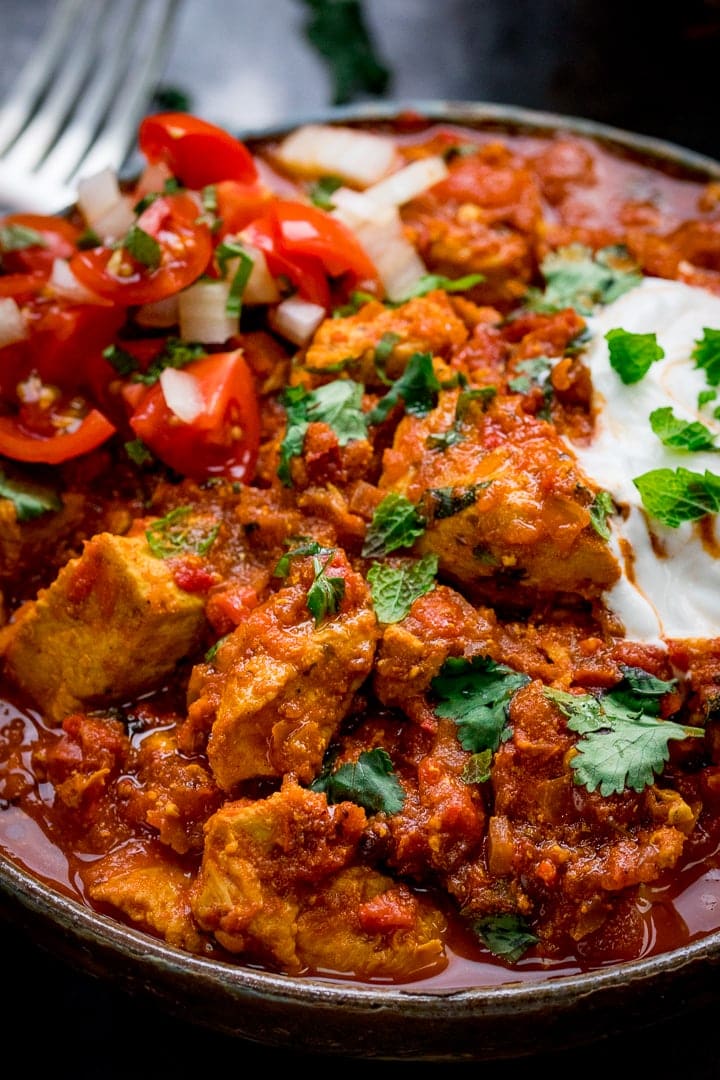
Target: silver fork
point(79, 99)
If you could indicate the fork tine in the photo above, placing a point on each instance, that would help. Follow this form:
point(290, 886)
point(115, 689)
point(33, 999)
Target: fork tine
point(18, 107)
point(79, 132)
point(151, 45)
point(73, 70)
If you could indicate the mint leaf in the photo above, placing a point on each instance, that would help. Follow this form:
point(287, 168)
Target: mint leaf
point(477, 769)
point(623, 742)
point(30, 500)
point(578, 278)
point(396, 523)
point(449, 501)
point(632, 355)
point(370, 782)
point(673, 496)
point(395, 588)
point(325, 594)
point(308, 547)
point(601, 508)
point(417, 388)
point(338, 404)
point(681, 434)
point(507, 936)
point(144, 248)
point(706, 355)
point(476, 694)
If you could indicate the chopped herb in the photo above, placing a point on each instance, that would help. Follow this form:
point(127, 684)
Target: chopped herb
point(601, 508)
point(681, 434)
point(632, 355)
point(535, 372)
point(623, 742)
point(308, 547)
point(370, 782)
point(123, 362)
point(175, 353)
point(577, 277)
point(477, 768)
point(321, 191)
point(674, 496)
point(337, 29)
point(705, 397)
point(142, 247)
point(429, 282)
point(476, 694)
point(417, 389)
point(396, 523)
point(442, 440)
point(172, 99)
point(358, 299)
point(87, 240)
point(30, 500)
point(706, 355)
point(449, 501)
point(230, 250)
point(171, 186)
point(174, 534)
point(395, 588)
point(507, 936)
point(459, 150)
point(383, 352)
point(147, 200)
point(138, 452)
point(20, 237)
point(326, 593)
point(213, 650)
point(338, 404)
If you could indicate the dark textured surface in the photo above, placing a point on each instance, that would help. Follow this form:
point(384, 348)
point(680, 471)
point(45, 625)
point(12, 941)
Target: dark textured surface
point(246, 64)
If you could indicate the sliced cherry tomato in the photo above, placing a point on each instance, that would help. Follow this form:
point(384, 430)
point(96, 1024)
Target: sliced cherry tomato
point(21, 286)
point(223, 440)
point(47, 443)
point(185, 251)
point(59, 242)
point(196, 152)
point(308, 246)
point(238, 204)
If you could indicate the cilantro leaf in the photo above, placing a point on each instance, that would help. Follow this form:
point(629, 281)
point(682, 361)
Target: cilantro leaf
point(308, 547)
point(507, 936)
point(449, 501)
point(681, 434)
point(577, 277)
point(632, 355)
point(370, 782)
point(623, 742)
point(601, 508)
point(16, 237)
point(338, 404)
point(429, 282)
point(326, 593)
point(706, 355)
point(396, 523)
point(417, 388)
point(394, 589)
point(674, 496)
point(138, 452)
point(337, 29)
point(174, 534)
point(476, 694)
point(175, 353)
point(30, 500)
point(323, 189)
point(143, 247)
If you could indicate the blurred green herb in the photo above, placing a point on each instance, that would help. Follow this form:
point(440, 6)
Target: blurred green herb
point(338, 31)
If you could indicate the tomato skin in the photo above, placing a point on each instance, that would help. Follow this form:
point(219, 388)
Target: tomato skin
point(21, 444)
point(196, 152)
point(21, 286)
point(238, 204)
point(224, 439)
point(60, 238)
point(307, 245)
point(186, 247)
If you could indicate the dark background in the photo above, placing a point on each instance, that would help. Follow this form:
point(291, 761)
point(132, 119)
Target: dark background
point(642, 66)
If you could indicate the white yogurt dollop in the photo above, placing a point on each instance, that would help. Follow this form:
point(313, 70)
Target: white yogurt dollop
point(670, 585)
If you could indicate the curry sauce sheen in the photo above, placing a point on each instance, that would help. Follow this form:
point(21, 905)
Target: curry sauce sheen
point(358, 548)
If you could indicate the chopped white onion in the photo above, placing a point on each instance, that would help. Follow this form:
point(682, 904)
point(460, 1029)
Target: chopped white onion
point(161, 314)
point(357, 157)
point(203, 314)
point(296, 319)
point(182, 393)
point(64, 283)
point(408, 182)
point(261, 287)
point(379, 230)
point(12, 323)
point(106, 210)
